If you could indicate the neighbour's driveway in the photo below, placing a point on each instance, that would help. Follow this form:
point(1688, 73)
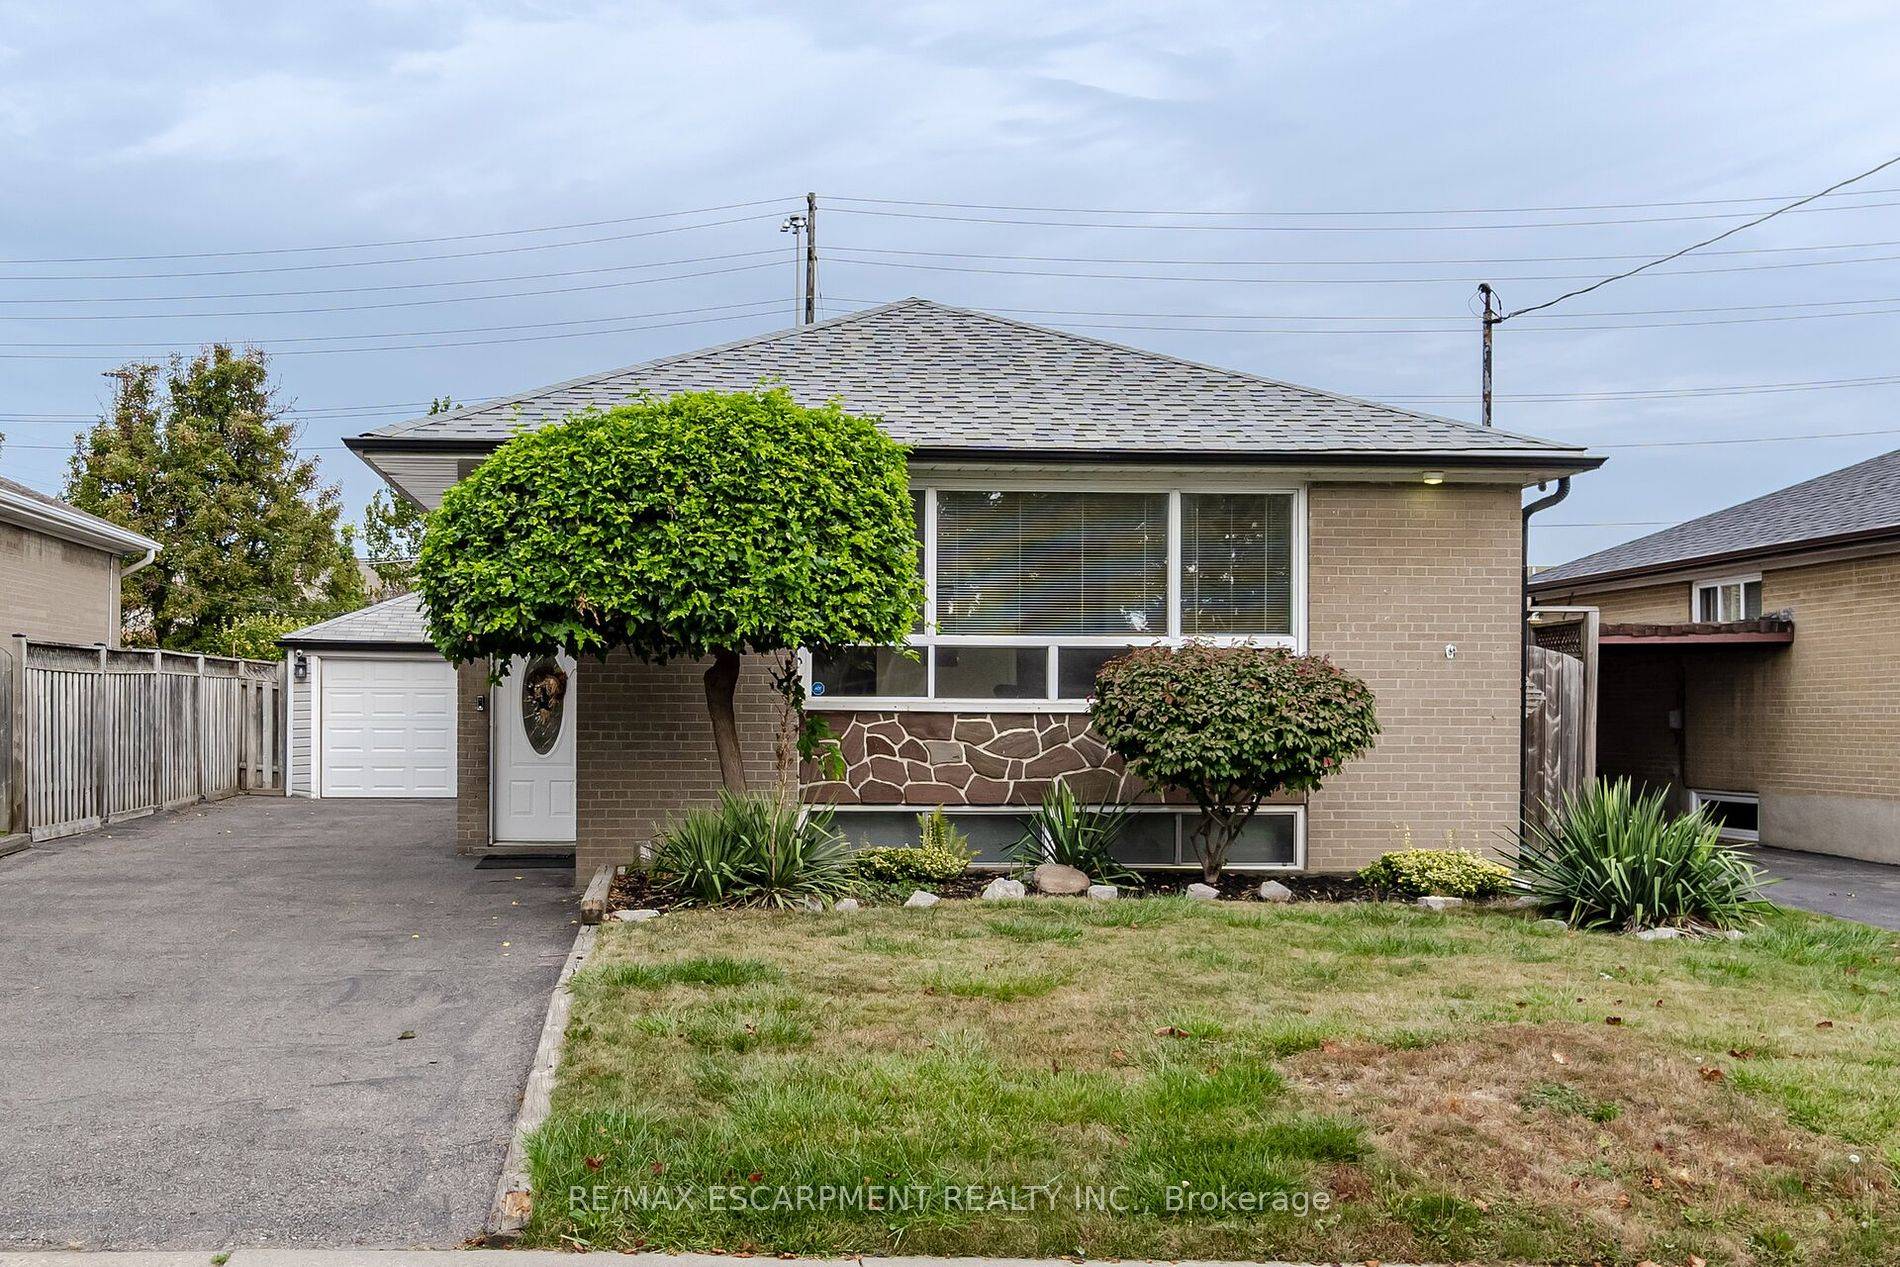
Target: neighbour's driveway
point(1847, 887)
point(203, 1016)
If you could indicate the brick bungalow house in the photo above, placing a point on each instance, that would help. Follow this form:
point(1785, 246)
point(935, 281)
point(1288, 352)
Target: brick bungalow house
point(1074, 497)
point(1750, 661)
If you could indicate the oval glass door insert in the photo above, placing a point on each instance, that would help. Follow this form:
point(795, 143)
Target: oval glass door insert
point(543, 702)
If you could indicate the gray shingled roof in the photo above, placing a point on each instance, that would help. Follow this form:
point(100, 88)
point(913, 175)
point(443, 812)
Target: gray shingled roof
point(1858, 500)
point(952, 379)
point(394, 622)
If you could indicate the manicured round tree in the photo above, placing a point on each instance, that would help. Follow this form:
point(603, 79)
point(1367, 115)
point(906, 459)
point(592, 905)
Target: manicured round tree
point(710, 524)
point(1230, 727)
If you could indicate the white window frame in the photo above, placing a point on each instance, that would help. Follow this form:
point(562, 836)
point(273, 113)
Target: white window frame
point(1699, 796)
point(1716, 584)
point(1051, 702)
point(1185, 813)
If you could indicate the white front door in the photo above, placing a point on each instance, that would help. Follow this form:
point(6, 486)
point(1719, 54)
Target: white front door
point(534, 751)
point(388, 726)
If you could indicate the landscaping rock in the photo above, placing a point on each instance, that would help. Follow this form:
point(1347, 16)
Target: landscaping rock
point(1440, 903)
point(1551, 925)
point(636, 917)
point(1060, 880)
point(921, 900)
point(1203, 892)
point(1003, 889)
point(845, 904)
point(1103, 892)
point(1274, 891)
point(1734, 934)
point(1659, 934)
point(1524, 902)
point(808, 903)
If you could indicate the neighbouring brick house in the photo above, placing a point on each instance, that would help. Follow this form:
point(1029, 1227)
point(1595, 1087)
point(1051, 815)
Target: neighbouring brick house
point(60, 568)
point(1749, 660)
point(1074, 498)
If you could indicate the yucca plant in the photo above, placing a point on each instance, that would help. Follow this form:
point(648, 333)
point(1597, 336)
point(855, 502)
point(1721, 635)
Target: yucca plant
point(1613, 858)
point(1064, 830)
point(753, 850)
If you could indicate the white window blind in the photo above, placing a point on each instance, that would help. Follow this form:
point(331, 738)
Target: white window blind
point(1236, 563)
point(1052, 563)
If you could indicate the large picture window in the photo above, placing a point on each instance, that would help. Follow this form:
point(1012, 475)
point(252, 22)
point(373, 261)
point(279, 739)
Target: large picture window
point(1028, 592)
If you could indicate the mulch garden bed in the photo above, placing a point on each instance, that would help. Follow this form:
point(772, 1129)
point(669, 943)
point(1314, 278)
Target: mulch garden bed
point(635, 889)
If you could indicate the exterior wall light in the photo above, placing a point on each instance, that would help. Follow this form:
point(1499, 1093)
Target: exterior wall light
point(1434, 477)
point(300, 667)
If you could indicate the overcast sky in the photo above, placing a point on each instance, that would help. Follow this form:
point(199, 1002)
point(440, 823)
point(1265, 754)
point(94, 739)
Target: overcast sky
point(188, 129)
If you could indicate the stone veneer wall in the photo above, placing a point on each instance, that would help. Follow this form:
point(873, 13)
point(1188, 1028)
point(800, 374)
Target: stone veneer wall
point(918, 758)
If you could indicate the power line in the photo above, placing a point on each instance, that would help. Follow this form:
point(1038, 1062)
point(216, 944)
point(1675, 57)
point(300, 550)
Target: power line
point(1332, 281)
point(411, 334)
point(400, 259)
point(1323, 228)
point(407, 347)
point(1238, 316)
point(384, 287)
point(1228, 262)
point(1412, 211)
point(1710, 241)
point(367, 246)
point(407, 303)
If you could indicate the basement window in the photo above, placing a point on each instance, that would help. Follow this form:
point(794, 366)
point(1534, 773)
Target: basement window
point(1738, 814)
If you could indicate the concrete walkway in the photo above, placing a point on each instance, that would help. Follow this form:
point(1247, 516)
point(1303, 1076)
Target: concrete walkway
point(1865, 891)
point(206, 1019)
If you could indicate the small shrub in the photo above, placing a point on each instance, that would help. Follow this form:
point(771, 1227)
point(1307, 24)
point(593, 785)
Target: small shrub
point(753, 851)
point(1064, 830)
point(1615, 859)
point(1229, 727)
point(1437, 873)
point(911, 864)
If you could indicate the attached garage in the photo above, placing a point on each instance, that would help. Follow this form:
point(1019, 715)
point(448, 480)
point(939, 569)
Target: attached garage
point(372, 707)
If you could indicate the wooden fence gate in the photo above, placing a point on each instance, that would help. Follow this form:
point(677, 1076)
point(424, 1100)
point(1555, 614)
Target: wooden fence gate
point(97, 736)
point(1556, 762)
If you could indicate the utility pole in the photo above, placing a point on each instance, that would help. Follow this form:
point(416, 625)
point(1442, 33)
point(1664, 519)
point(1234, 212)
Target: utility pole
point(1490, 318)
point(811, 258)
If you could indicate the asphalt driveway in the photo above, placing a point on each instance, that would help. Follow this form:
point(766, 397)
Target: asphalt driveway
point(1848, 887)
point(203, 1016)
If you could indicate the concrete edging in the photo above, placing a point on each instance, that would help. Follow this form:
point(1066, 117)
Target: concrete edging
point(514, 1193)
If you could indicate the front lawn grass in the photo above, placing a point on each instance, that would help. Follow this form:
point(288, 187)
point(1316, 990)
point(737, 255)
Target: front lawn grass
point(1170, 1079)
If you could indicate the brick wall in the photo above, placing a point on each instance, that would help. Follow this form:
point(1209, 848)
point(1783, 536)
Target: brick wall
point(1663, 604)
point(645, 751)
point(1395, 573)
point(57, 591)
point(472, 788)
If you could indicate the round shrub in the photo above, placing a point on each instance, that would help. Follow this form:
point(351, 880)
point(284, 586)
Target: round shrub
point(1437, 873)
point(1230, 727)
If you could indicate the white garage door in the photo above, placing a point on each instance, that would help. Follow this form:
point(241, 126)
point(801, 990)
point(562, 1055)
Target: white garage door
point(388, 727)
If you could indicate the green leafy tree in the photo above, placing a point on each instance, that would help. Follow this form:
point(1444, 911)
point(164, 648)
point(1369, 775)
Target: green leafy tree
point(707, 525)
point(196, 454)
point(1230, 727)
point(392, 531)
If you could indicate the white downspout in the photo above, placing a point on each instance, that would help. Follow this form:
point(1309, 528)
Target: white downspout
point(150, 554)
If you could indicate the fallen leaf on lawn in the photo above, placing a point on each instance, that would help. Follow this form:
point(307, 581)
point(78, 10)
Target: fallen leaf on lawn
point(1653, 1182)
point(755, 1177)
point(1824, 1025)
point(1559, 1057)
point(1328, 1047)
point(656, 1167)
point(1741, 1053)
point(1710, 1073)
point(1117, 1057)
point(1484, 1207)
point(1622, 1198)
point(1612, 1020)
point(408, 1033)
point(594, 1162)
point(1697, 1260)
point(1171, 1031)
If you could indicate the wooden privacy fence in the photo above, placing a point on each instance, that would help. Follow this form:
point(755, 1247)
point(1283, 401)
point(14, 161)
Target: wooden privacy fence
point(97, 736)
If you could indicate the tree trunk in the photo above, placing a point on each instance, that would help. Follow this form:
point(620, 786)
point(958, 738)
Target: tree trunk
point(722, 686)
